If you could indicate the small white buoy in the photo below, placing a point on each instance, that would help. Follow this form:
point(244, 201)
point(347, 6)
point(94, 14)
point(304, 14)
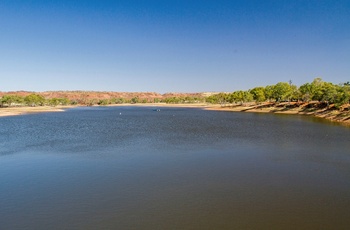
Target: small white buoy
point(120, 113)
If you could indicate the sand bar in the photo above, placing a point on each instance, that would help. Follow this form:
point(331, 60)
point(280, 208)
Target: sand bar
point(14, 111)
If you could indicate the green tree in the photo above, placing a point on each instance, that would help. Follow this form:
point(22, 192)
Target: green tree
point(34, 100)
point(241, 96)
point(7, 100)
point(317, 89)
point(258, 94)
point(74, 102)
point(247, 96)
point(11, 100)
point(103, 102)
point(222, 98)
point(236, 96)
point(54, 101)
point(135, 100)
point(212, 99)
point(343, 95)
point(92, 102)
point(269, 92)
point(64, 101)
point(282, 91)
point(328, 93)
point(295, 93)
point(306, 91)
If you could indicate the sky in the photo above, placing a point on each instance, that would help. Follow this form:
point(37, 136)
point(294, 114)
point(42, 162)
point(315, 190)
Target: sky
point(171, 45)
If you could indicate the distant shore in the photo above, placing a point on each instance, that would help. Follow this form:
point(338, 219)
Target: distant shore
point(23, 110)
point(333, 115)
point(15, 111)
point(342, 117)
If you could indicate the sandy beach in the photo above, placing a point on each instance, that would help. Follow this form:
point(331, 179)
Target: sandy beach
point(193, 105)
point(14, 111)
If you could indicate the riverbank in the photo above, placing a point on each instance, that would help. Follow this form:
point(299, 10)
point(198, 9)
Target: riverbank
point(15, 111)
point(331, 114)
point(308, 109)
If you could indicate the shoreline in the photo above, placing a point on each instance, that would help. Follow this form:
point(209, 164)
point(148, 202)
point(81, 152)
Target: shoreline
point(331, 115)
point(327, 114)
point(16, 111)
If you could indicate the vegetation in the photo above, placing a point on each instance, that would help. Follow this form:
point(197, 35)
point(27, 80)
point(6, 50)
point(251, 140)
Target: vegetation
point(318, 90)
point(326, 93)
point(183, 100)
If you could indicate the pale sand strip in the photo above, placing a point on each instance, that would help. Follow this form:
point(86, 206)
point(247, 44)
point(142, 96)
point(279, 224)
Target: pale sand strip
point(193, 105)
point(13, 111)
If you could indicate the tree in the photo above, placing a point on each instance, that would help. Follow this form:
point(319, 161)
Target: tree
point(317, 89)
point(54, 101)
point(10, 100)
point(269, 92)
point(135, 100)
point(222, 98)
point(342, 96)
point(103, 102)
point(237, 96)
point(92, 102)
point(258, 94)
point(328, 93)
point(64, 101)
point(295, 94)
point(241, 96)
point(212, 99)
point(306, 92)
point(7, 100)
point(282, 91)
point(34, 100)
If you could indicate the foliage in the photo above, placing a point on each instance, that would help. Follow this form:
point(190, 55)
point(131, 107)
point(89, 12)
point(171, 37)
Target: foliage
point(34, 100)
point(103, 102)
point(319, 90)
point(269, 92)
point(181, 100)
point(282, 91)
point(258, 94)
point(53, 101)
point(10, 100)
point(135, 100)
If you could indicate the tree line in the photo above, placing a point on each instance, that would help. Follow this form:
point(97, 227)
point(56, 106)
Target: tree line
point(317, 90)
point(38, 100)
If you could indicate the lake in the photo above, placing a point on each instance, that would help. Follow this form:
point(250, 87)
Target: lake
point(177, 168)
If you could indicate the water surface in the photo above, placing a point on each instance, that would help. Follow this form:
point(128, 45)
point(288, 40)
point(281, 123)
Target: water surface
point(135, 168)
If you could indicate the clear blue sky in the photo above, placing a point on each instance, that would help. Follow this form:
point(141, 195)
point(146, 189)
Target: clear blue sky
point(171, 46)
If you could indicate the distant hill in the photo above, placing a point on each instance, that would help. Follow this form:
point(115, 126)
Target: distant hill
point(89, 95)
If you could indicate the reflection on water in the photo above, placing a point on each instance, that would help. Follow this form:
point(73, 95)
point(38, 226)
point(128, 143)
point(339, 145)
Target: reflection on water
point(134, 168)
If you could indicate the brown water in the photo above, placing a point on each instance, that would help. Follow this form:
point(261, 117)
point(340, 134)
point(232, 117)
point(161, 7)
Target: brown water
point(94, 168)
